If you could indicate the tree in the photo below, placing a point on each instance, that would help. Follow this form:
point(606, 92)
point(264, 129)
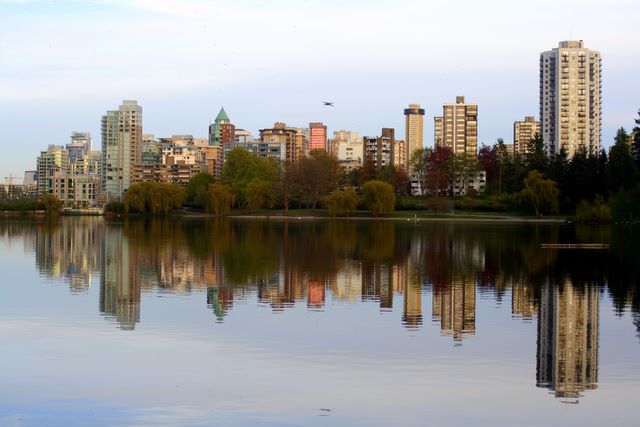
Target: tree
point(260, 194)
point(621, 170)
point(197, 189)
point(153, 197)
point(289, 186)
point(341, 202)
point(418, 164)
point(488, 160)
point(536, 156)
point(51, 204)
point(241, 167)
point(378, 197)
point(463, 169)
point(635, 145)
point(438, 170)
point(318, 176)
point(541, 193)
point(219, 199)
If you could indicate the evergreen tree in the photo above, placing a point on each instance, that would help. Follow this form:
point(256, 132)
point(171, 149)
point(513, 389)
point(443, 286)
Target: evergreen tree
point(621, 169)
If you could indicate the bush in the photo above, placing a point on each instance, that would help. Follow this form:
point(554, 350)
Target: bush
point(51, 204)
point(341, 202)
point(596, 213)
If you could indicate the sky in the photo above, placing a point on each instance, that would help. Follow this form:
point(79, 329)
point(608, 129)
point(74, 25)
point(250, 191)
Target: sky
point(64, 63)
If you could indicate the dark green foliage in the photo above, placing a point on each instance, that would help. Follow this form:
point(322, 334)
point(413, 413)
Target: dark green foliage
point(596, 213)
point(197, 189)
point(21, 205)
point(625, 205)
point(241, 167)
point(51, 204)
point(621, 170)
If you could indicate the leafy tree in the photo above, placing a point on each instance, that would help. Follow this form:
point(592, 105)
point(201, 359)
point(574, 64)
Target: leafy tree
point(621, 170)
point(51, 204)
point(260, 194)
point(341, 202)
point(488, 159)
point(463, 169)
point(438, 163)
point(289, 184)
point(241, 167)
point(153, 197)
point(318, 176)
point(418, 165)
point(378, 196)
point(197, 189)
point(219, 199)
point(541, 193)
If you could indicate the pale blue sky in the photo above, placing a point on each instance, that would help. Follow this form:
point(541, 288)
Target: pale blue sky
point(64, 63)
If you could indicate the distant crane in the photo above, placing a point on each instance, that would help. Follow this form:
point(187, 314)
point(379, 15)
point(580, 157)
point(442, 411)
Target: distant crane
point(9, 179)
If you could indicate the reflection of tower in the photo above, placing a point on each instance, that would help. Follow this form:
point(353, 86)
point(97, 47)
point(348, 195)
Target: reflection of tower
point(567, 350)
point(315, 294)
point(412, 310)
point(523, 304)
point(454, 306)
point(377, 284)
point(119, 283)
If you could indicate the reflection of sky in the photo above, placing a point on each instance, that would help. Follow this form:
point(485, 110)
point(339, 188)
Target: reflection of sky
point(61, 361)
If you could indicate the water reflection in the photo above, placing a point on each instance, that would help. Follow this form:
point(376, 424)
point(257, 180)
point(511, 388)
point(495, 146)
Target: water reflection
point(408, 268)
point(567, 355)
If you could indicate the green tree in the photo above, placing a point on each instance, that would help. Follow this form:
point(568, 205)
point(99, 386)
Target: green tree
point(260, 194)
point(596, 213)
point(318, 176)
point(197, 189)
point(621, 170)
point(541, 193)
point(341, 202)
point(135, 199)
point(241, 167)
point(219, 199)
point(635, 145)
point(378, 196)
point(51, 204)
point(536, 156)
point(154, 197)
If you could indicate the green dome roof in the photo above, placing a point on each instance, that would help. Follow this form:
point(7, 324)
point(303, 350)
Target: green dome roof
point(222, 116)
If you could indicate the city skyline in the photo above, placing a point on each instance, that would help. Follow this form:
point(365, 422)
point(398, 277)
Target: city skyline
point(66, 82)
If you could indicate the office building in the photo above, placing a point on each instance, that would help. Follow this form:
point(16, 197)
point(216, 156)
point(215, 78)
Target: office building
point(457, 128)
point(121, 148)
point(570, 98)
point(414, 129)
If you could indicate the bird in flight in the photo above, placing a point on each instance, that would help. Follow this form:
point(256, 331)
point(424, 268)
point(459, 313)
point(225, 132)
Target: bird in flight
point(328, 104)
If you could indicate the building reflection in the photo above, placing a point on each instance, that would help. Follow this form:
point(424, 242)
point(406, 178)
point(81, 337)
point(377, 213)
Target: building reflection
point(120, 286)
point(454, 306)
point(523, 303)
point(567, 347)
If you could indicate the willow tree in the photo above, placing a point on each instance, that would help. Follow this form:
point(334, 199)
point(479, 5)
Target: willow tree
point(378, 196)
point(219, 199)
point(541, 193)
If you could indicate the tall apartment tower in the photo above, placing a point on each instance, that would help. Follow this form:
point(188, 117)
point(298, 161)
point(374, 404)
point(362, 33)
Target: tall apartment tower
point(54, 159)
point(457, 128)
point(413, 129)
point(121, 147)
point(317, 136)
point(523, 132)
point(571, 98)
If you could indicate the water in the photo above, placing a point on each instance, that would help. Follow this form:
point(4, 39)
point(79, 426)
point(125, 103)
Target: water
point(323, 323)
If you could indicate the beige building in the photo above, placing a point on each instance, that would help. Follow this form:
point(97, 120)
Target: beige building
point(78, 191)
point(400, 154)
point(282, 134)
point(523, 132)
point(413, 130)
point(457, 128)
point(570, 98)
point(347, 147)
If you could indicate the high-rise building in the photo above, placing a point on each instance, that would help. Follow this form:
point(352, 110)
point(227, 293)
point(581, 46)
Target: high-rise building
point(570, 98)
point(457, 128)
point(317, 136)
point(286, 137)
point(221, 130)
point(121, 147)
point(413, 129)
point(379, 149)
point(347, 147)
point(523, 133)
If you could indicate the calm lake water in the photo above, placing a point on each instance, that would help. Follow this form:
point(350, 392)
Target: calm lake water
point(322, 323)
